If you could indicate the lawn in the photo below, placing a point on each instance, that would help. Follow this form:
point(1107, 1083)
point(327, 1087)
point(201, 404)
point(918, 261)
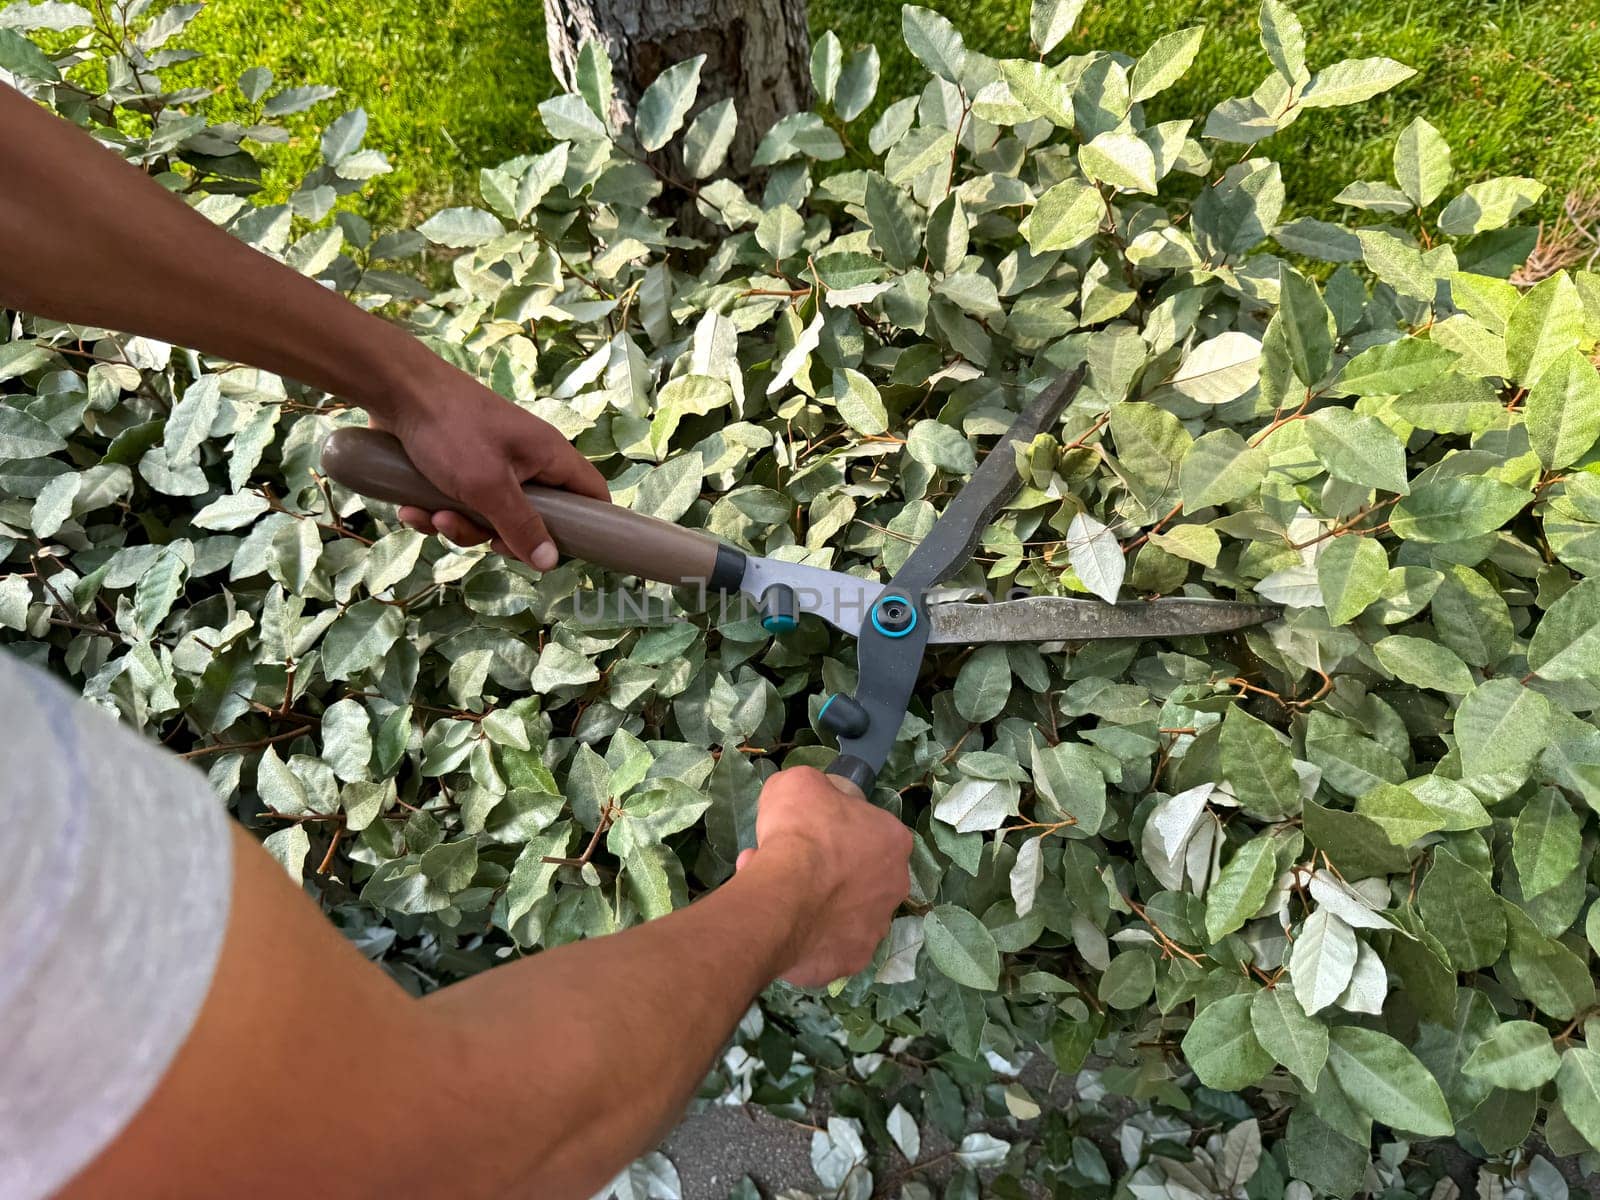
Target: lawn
point(453, 85)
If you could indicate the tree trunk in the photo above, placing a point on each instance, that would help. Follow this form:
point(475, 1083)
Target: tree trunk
point(757, 51)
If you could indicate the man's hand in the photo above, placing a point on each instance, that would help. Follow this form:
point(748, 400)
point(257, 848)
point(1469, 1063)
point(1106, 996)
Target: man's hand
point(480, 448)
point(856, 858)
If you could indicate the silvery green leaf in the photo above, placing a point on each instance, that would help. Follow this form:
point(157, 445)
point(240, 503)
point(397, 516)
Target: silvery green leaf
point(560, 666)
point(1323, 961)
point(15, 597)
point(1284, 39)
point(962, 947)
point(1235, 214)
point(54, 15)
point(25, 436)
point(191, 418)
point(344, 135)
point(1490, 204)
point(907, 1136)
point(1164, 63)
point(948, 233)
point(894, 217)
point(1027, 873)
point(360, 638)
point(666, 102)
point(1120, 159)
point(1359, 450)
point(858, 402)
point(982, 1150)
point(1051, 20)
point(1422, 162)
point(901, 948)
point(1401, 266)
point(837, 1151)
point(290, 847)
point(984, 683)
point(1065, 216)
point(892, 125)
point(1220, 468)
point(1284, 1030)
point(460, 228)
point(1069, 777)
point(705, 146)
point(297, 99)
point(934, 41)
point(1318, 239)
point(1167, 830)
point(780, 231)
point(858, 84)
point(54, 503)
point(977, 805)
point(1387, 1082)
point(827, 59)
point(543, 173)
point(797, 356)
point(1375, 197)
point(1037, 89)
point(652, 1177)
point(1238, 893)
point(568, 118)
point(1096, 556)
point(798, 134)
point(1352, 81)
point(160, 586)
point(1547, 322)
point(1219, 370)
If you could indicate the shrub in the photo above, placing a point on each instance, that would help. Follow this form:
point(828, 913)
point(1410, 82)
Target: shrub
point(1342, 864)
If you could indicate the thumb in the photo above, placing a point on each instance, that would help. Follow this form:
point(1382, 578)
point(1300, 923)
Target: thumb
point(744, 857)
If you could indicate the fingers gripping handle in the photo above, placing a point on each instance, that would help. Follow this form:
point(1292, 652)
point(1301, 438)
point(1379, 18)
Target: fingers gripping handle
point(851, 775)
point(608, 535)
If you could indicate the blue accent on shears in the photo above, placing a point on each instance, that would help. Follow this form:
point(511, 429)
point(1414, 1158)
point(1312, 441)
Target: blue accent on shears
point(825, 705)
point(779, 623)
point(893, 633)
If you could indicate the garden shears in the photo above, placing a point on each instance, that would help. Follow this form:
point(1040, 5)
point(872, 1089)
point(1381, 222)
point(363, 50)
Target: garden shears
point(893, 623)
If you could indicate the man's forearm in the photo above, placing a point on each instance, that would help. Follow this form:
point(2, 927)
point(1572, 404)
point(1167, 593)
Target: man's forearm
point(90, 239)
point(588, 1054)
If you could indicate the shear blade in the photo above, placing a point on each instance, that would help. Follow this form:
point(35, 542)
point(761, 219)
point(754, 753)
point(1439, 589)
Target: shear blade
point(1071, 619)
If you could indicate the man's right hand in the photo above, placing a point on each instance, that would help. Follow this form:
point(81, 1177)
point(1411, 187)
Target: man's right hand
point(853, 858)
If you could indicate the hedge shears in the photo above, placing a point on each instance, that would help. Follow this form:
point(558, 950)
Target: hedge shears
point(893, 623)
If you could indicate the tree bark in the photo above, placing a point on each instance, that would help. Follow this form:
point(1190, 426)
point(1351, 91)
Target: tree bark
point(757, 51)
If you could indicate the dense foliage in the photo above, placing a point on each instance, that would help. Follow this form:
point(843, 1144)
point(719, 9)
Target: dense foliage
point(1342, 864)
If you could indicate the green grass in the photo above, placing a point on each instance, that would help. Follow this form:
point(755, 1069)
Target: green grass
point(453, 85)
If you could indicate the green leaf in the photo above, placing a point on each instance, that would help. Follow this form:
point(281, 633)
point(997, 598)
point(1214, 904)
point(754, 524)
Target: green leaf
point(1566, 644)
point(1164, 63)
point(1358, 449)
point(1501, 726)
point(1471, 617)
point(1452, 403)
point(22, 58)
point(962, 947)
point(24, 436)
point(1546, 323)
point(1578, 1087)
point(1258, 766)
point(1051, 20)
point(858, 402)
point(934, 41)
point(1489, 205)
point(1220, 468)
point(1293, 1039)
point(1129, 981)
point(1322, 960)
point(1242, 887)
point(1552, 976)
point(1453, 508)
point(1394, 368)
point(1065, 216)
point(1461, 910)
point(666, 102)
point(705, 146)
point(159, 588)
point(1399, 813)
point(1547, 843)
point(1423, 663)
point(948, 233)
point(289, 846)
point(1284, 40)
point(1308, 326)
point(1387, 1082)
point(892, 215)
point(1422, 162)
point(1352, 572)
point(1222, 1048)
point(191, 418)
point(1517, 1056)
point(360, 638)
point(1563, 410)
point(1068, 776)
point(827, 59)
point(594, 77)
point(1352, 81)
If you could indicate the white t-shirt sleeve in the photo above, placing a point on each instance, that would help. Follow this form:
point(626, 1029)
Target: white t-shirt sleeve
point(115, 870)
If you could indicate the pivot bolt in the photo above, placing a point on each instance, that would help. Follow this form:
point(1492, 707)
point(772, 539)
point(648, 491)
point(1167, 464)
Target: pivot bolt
point(843, 716)
point(894, 616)
point(780, 612)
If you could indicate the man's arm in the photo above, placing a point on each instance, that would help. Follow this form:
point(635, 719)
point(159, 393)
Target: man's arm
point(310, 1072)
point(92, 240)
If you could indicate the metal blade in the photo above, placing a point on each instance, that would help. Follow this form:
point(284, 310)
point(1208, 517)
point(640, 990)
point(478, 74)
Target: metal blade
point(956, 533)
point(1071, 619)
